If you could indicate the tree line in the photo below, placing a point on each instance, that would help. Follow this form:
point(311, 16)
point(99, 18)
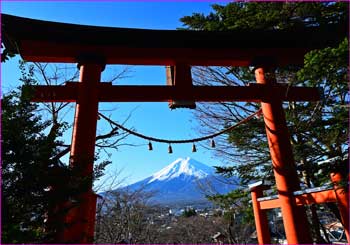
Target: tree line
point(32, 147)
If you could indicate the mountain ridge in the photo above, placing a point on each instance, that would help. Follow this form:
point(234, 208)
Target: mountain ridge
point(187, 166)
point(185, 180)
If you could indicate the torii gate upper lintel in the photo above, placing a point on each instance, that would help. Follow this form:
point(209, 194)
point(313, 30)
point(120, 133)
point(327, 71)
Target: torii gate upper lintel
point(94, 47)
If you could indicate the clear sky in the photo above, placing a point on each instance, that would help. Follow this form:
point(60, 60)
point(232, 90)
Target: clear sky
point(153, 119)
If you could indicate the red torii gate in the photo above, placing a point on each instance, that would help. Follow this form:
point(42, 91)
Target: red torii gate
point(318, 195)
point(93, 47)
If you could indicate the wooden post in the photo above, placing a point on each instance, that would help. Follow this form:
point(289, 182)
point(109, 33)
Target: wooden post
point(342, 196)
point(80, 219)
point(261, 222)
point(294, 217)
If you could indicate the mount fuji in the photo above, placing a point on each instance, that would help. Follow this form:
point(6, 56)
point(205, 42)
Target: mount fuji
point(184, 181)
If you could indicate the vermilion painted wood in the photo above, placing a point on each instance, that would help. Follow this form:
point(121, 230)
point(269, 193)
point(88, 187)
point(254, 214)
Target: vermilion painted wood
point(260, 216)
point(80, 220)
point(316, 197)
point(342, 197)
point(304, 199)
point(108, 93)
point(269, 204)
point(294, 217)
point(45, 41)
point(38, 51)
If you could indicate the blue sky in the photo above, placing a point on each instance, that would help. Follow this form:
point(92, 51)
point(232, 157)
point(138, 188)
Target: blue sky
point(153, 119)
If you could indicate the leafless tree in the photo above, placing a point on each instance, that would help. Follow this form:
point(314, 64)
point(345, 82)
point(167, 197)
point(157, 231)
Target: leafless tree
point(54, 74)
point(210, 115)
point(190, 230)
point(124, 216)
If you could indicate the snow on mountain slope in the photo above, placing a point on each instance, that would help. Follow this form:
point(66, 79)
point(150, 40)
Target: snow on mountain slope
point(184, 180)
point(181, 166)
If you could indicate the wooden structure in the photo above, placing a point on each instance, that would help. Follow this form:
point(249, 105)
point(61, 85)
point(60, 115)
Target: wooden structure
point(337, 194)
point(94, 47)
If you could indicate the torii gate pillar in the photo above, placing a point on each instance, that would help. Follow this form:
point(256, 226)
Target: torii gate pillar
point(294, 217)
point(342, 200)
point(260, 216)
point(79, 221)
point(42, 41)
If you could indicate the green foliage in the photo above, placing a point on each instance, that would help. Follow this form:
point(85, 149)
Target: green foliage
point(235, 202)
point(226, 200)
point(238, 214)
point(318, 131)
point(34, 181)
point(26, 153)
point(321, 131)
point(267, 15)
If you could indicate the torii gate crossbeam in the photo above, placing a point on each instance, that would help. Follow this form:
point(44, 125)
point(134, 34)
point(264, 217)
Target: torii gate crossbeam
point(107, 92)
point(94, 47)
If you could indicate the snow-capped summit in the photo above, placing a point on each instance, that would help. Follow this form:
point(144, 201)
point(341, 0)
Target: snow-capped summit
point(183, 181)
point(183, 166)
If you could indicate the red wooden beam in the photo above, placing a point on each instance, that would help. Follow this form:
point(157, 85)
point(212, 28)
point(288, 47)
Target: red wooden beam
point(317, 197)
point(303, 199)
point(54, 93)
point(156, 93)
point(270, 204)
point(45, 41)
point(36, 51)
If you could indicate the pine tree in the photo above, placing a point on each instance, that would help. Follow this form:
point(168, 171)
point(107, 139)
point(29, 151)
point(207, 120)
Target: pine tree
point(318, 130)
point(325, 69)
point(26, 162)
point(34, 180)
